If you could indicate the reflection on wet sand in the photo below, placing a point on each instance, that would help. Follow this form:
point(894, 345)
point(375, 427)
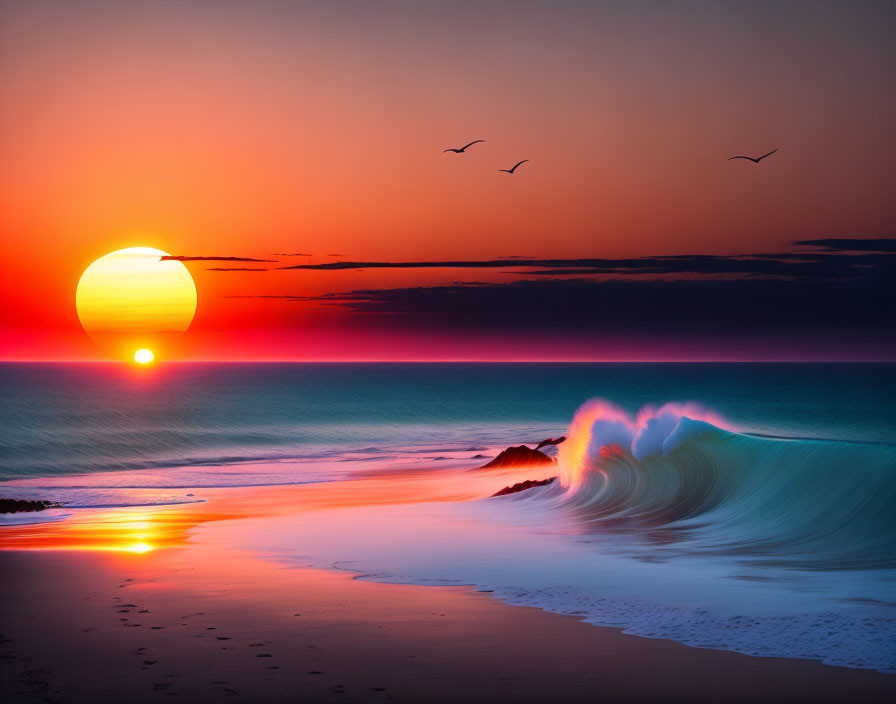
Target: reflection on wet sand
point(141, 529)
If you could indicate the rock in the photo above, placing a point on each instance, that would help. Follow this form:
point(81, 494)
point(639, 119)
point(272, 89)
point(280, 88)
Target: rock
point(519, 456)
point(20, 505)
point(550, 441)
point(522, 486)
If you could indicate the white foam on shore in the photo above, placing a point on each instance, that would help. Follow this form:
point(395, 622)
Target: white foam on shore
point(23, 518)
point(861, 637)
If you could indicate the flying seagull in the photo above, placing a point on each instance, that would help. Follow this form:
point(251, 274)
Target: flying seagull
point(756, 160)
point(511, 170)
point(464, 148)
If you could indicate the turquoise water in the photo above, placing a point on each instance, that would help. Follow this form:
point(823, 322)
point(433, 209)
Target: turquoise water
point(61, 419)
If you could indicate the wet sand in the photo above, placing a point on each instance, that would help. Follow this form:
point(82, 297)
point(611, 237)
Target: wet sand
point(189, 623)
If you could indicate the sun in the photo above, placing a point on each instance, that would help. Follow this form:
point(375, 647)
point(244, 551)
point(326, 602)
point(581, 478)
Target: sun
point(134, 293)
point(144, 356)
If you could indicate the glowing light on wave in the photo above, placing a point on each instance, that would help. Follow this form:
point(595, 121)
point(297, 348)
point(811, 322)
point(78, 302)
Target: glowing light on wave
point(642, 435)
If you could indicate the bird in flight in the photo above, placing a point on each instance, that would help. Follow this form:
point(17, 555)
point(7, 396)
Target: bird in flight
point(513, 168)
point(464, 148)
point(757, 159)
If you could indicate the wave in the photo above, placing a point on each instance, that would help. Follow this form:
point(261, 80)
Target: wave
point(216, 457)
point(680, 478)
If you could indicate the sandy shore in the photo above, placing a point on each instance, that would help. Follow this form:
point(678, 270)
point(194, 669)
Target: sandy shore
point(192, 624)
point(145, 605)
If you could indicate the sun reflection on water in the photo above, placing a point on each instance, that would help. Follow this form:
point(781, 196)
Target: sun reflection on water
point(139, 547)
point(125, 530)
point(150, 530)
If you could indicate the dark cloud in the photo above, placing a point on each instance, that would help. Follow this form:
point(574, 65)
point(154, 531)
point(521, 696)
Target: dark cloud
point(234, 268)
point(284, 297)
point(884, 244)
point(827, 298)
point(717, 307)
point(850, 305)
point(788, 264)
point(183, 258)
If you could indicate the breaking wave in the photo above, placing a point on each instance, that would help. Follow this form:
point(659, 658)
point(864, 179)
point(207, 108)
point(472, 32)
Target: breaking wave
point(680, 478)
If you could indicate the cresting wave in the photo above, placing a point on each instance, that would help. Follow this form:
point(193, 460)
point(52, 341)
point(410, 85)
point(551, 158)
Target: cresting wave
point(682, 480)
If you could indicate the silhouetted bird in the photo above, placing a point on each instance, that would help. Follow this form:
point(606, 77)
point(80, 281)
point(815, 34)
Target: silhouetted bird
point(464, 148)
point(756, 160)
point(511, 170)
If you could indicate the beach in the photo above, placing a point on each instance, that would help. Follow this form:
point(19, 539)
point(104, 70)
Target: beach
point(202, 623)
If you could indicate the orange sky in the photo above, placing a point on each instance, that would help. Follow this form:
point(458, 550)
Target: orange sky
point(246, 129)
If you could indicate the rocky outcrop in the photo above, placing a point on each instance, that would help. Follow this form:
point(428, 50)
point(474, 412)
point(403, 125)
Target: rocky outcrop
point(522, 486)
point(550, 441)
point(20, 505)
point(519, 456)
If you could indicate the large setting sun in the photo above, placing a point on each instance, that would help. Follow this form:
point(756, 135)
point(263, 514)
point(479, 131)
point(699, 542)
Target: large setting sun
point(134, 291)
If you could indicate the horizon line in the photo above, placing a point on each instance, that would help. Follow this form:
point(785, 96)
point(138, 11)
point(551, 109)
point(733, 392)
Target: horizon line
point(463, 361)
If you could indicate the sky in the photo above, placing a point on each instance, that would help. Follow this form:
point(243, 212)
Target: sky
point(310, 136)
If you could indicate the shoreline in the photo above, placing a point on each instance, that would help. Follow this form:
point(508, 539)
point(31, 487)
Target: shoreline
point(207, 625)
point(214, 524)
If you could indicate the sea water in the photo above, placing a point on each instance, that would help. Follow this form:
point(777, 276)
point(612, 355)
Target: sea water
point(739, 506)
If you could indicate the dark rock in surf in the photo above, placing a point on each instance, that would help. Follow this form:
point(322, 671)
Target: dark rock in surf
point(519, 456)
point(522, 486)
point(550, 441)
point(21, 505)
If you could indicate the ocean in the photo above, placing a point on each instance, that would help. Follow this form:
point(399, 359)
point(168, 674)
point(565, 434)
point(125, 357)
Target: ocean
point(740, 506)
point(61, 419)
